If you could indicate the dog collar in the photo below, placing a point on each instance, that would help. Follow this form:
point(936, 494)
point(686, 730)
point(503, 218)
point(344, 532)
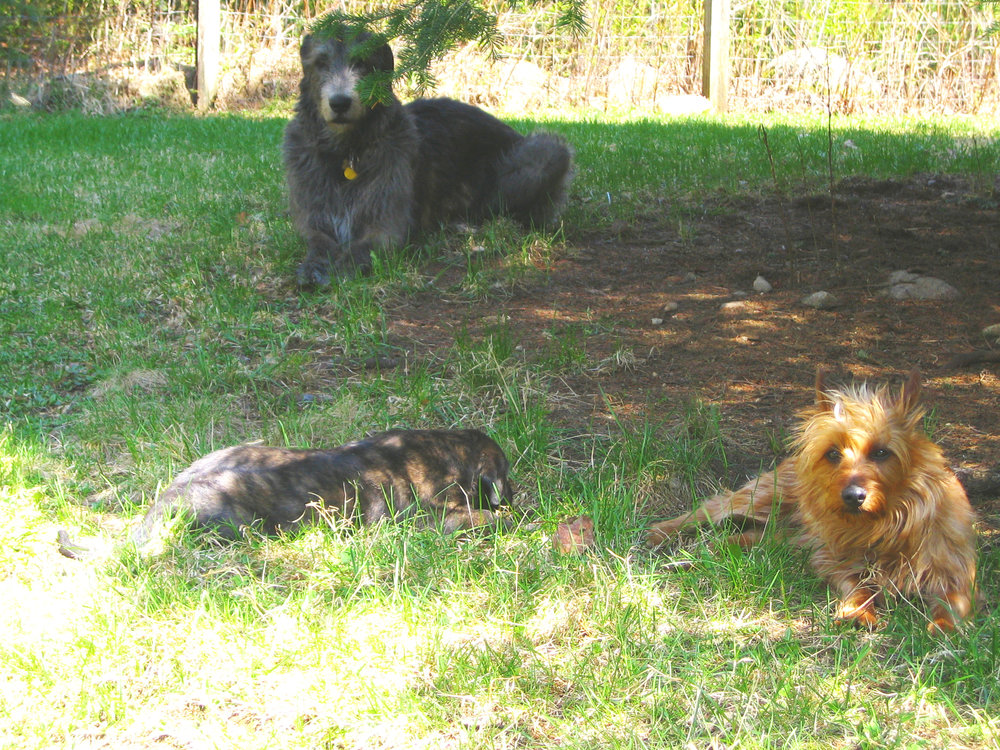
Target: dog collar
point(349, 172)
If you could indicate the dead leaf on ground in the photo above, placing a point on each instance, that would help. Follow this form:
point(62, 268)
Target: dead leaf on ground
point(574, 536)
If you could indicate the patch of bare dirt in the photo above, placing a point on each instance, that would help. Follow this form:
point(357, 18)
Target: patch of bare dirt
point(755, 359)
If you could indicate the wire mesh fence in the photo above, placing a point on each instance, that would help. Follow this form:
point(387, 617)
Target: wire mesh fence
point(846, 55)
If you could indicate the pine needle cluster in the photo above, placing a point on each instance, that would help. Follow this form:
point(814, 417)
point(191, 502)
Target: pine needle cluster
point(994, 28)
point(428, 29)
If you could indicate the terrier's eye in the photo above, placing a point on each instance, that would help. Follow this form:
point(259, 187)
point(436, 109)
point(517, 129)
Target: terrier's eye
point(833, 456)
point(880, 454)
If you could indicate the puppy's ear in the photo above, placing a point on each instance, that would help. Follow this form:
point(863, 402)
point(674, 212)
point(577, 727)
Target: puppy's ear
point(506, 492)
point(823, 400)
point(491, 492)
point(909, 396)
point(306, 48)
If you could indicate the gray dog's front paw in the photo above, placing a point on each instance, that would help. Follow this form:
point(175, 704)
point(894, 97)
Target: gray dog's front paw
point(312, 274)
point(354, 263)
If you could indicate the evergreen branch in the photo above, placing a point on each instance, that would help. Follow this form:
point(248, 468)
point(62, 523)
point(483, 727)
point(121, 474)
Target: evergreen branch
point(428, 30)
point(994, 28)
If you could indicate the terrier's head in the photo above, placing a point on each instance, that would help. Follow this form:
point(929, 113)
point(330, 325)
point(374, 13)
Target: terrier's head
point(856, 448)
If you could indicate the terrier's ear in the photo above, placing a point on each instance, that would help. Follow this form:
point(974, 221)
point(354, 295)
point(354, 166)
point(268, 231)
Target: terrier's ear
point(909, 396)
point(306, 47)
point(823, 399)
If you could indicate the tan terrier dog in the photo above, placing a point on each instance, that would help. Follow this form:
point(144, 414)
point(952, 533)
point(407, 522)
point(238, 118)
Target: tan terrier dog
point(871, 496)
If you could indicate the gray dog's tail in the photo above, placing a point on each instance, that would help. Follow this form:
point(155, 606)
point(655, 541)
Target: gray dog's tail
point(533, 178)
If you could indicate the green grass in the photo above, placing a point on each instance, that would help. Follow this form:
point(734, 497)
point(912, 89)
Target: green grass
point(147, 317)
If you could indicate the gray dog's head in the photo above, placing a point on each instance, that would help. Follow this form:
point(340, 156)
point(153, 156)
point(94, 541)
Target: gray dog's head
point(331, 70)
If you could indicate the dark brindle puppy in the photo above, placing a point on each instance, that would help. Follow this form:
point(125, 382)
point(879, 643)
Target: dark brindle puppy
point(459, 477)
point(368, 176)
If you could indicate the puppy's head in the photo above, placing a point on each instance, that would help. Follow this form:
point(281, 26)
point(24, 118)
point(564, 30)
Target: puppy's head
point(492, 467)
point(332, 68)
point(496, 490)
point(857, 450)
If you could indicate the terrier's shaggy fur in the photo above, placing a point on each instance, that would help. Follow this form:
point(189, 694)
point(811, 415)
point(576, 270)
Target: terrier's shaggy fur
point(873, 499)
point(364, 177)
point(457, 477)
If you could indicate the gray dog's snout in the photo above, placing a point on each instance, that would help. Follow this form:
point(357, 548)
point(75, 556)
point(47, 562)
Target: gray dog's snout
point(340, 103)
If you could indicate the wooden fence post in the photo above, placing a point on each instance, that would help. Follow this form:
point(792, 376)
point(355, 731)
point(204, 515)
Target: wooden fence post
point(715, 55)
point(207, 52)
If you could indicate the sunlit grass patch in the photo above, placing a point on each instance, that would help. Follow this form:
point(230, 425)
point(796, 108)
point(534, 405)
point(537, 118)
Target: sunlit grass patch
point(148, 316)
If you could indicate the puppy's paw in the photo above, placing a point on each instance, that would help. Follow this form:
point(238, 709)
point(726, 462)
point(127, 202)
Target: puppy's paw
point(662, 532)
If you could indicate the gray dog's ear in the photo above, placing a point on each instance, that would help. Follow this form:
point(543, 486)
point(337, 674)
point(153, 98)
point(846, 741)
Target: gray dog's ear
point(306, 47)
point(382, 59)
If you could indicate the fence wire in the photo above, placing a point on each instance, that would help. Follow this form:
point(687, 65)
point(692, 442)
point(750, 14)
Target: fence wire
point(848, 55)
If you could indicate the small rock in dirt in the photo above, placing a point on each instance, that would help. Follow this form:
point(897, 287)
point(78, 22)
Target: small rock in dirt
point(923, 288)
point(820, 300)
point(991, 331)
point(136, 380)
point(84, 227)
point(381, 363)
point(670, 307)
point(762, 285)
point(689, 278)
point(682, 104)
point(736, 306)
point(656, 321)
point(312, 398)
point(902, 277)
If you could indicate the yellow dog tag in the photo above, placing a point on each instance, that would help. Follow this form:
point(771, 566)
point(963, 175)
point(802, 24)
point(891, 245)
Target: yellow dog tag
point(349, 172)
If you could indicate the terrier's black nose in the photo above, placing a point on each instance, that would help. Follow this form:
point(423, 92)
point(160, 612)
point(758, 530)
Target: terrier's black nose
point(854, 496)
point(340, 103)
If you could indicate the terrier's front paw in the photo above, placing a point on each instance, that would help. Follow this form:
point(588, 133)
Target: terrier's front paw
point(858, 610)
point(664, 531)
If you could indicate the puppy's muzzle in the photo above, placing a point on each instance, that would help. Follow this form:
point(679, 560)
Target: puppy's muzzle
point(854, 497)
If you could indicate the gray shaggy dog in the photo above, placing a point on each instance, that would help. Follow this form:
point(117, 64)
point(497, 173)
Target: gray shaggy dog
point(364, 177)
point(458, 478)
